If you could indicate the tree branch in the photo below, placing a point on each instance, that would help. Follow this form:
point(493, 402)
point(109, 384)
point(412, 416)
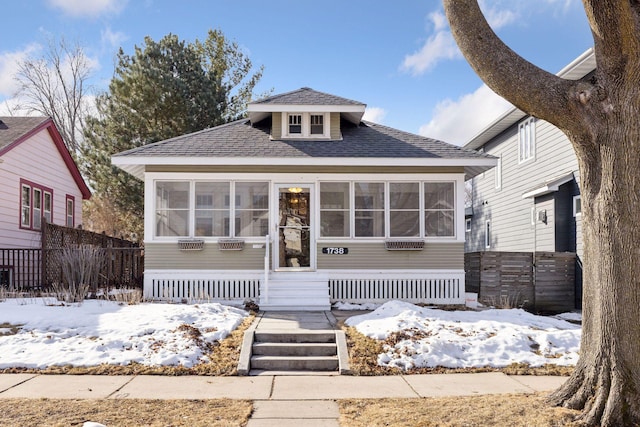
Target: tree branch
point(525, 85)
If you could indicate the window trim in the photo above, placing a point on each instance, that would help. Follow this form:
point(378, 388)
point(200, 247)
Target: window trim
point(528, 127)
point(306, 125)
point(498, 173)
point(32, 188)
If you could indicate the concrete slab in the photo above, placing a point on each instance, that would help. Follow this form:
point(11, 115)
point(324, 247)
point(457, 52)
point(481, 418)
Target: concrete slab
point(292, 422)
point(464, 384)
point(196, 387)
point(340, 387)
point(11, 380)
point(68, 387)
point(541, 382)
point(292, 409)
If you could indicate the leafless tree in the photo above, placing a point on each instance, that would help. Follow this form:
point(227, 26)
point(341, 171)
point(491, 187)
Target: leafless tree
point(599, 114)
point(56, 85)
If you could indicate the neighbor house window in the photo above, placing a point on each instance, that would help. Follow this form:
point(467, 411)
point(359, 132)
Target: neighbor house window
point(334, 209)
point(439, 209)
point(404, 209)
point(577, 206)
point(369, 209)
point(25, 206)
point(467, 225)
point(71, 211)
point(36, 202)
point(527, 140)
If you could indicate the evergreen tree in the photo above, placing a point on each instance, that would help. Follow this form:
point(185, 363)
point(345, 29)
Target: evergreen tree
point(165, 89)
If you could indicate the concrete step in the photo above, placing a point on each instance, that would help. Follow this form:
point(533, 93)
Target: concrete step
point(294, 363)
point(295, 349)
point(286, 305)
point(320, 336)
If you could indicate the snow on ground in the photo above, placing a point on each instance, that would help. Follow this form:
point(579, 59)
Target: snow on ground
point(97, 332)
point(463, 339)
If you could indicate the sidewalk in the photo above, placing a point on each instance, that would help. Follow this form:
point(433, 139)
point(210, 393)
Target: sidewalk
point(278, 400)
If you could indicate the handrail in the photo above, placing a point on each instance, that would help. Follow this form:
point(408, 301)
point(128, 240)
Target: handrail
point(266, 268)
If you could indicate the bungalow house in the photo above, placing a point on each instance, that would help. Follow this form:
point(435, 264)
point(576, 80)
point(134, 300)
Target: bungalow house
point(39, 181)
point(530, 201)
point(302, 204)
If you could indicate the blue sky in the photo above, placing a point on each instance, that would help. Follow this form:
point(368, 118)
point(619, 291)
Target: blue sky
point(397, 57)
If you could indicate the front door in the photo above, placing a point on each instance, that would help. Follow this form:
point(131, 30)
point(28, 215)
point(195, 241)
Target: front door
point(295, 243)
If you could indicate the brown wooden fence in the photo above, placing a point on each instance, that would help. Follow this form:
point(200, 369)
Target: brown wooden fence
point(36, 269)
point(539, 281)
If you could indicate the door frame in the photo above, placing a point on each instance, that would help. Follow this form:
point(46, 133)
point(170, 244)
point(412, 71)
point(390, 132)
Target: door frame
point(275, 214)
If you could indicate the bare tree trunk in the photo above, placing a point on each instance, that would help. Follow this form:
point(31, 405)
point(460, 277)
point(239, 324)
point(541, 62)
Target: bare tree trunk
point(606, 382)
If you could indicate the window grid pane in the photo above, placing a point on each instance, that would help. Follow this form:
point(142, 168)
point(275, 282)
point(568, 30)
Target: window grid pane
point(252, 209)
point(212, 210)
point(369, 209)
point(335, 213)
point(404, 213)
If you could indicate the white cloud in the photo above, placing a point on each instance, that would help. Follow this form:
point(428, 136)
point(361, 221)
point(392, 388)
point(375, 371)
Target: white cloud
point(440, 45)
point(458, 121)
point(90, 8)
point(374, 114)
point(9, 64)
point(112, 39)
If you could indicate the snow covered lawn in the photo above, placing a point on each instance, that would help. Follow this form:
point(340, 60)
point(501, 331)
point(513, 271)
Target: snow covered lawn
point(97, 332)
point(425, 337)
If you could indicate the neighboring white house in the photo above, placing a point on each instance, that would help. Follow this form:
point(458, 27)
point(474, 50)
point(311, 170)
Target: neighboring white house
point(301, 204)
point(39, 181)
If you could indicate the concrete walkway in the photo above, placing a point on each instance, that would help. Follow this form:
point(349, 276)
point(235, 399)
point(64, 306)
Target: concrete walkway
point(278, 400)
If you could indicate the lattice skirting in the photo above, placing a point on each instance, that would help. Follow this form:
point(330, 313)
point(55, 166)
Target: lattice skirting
point(432, 287)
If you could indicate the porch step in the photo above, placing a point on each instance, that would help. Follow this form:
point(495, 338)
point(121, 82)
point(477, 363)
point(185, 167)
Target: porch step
point(293, 291)
point(299, 351)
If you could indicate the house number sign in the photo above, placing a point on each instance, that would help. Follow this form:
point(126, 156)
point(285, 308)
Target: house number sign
point(335, 251)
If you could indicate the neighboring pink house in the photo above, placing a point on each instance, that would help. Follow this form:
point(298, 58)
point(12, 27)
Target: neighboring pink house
point(39, 181)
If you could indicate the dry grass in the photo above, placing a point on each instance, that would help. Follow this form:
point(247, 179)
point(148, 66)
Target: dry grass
point(224, 358)
point(492, 410)
point(124, 412)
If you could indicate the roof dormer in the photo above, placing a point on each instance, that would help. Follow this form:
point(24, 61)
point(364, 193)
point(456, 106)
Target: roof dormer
point(306, 114)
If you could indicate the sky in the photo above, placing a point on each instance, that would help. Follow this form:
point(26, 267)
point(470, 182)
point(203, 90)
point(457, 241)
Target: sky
point(397, 57)
point(41, 332)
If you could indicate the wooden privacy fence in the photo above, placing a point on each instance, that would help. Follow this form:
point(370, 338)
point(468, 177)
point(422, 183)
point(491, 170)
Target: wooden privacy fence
point(121, 261)
point(538, 281)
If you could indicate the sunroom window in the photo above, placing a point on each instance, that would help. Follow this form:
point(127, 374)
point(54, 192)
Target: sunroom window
point(212, 209)
point(172, 208)
point(252, 209)
point(439, 209)
point(369, 209)
point(404, 209)
point(334, 209)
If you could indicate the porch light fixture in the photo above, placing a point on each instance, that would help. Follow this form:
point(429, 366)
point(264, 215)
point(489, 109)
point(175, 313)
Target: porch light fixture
point(295, 190)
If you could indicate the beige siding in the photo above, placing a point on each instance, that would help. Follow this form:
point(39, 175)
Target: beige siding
point(375, 256)
point(276, 125)
point(167, 256)
point(335, 126)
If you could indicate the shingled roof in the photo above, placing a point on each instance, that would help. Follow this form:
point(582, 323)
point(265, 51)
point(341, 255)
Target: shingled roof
point(367, 142)
point(306, 96)
point(12, 129)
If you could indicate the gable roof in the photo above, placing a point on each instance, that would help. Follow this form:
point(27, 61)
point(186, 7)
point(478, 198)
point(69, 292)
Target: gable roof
point(244, 143)
point(16, 130)
point(577, 69)
point(306, 100)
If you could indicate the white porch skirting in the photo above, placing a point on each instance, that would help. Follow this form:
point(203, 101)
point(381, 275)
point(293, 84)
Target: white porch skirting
point(374, 286)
